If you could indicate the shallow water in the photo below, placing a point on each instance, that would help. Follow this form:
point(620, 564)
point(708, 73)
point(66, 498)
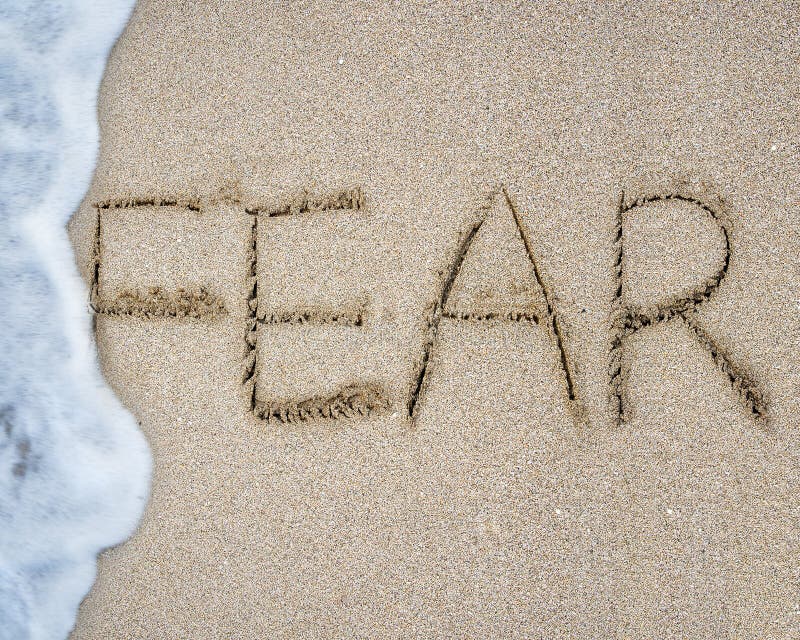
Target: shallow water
point(74, 467)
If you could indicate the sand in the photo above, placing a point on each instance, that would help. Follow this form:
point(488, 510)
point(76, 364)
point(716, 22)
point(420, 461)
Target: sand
point(474, 321)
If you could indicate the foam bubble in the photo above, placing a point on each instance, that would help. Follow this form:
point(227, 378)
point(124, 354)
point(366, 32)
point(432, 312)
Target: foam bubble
point(74, 467)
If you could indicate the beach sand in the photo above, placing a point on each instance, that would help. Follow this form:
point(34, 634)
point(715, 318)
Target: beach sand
point(359, 275)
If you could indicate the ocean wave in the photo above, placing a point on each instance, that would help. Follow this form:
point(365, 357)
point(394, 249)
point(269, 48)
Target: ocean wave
point(74, 467)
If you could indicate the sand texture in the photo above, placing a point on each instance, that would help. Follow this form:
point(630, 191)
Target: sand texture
point(453, 320)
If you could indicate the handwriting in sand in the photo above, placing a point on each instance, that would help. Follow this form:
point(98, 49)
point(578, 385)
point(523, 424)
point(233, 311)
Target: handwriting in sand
point(363, 398)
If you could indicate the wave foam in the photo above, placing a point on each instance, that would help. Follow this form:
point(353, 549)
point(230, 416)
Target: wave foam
point(74, 467)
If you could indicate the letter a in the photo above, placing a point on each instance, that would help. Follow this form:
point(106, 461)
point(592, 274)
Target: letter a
point(493, 276)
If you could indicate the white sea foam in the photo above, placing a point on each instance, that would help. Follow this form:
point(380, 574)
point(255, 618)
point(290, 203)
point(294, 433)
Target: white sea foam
point(74, 467)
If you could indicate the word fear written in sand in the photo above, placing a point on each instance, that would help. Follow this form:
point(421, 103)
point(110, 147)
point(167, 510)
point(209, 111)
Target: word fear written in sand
point(513, 272)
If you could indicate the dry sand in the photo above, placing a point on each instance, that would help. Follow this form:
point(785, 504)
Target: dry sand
point(326, 202)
